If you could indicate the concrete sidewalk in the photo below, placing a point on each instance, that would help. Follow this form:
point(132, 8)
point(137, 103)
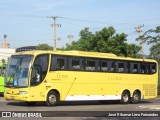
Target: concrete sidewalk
point(151, 107)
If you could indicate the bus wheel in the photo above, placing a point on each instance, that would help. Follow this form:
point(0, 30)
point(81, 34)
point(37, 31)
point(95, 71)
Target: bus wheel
point(136, 97)
point(125, 98)
point(52, 98)
point(30, 103)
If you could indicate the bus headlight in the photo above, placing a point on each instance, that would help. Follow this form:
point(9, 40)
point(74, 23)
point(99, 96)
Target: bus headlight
point(23, 92)
point(5, 92)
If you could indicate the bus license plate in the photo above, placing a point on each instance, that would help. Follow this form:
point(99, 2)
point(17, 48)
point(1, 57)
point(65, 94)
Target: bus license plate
point(12, 98)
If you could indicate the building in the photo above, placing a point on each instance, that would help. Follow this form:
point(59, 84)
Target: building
point(6, 52)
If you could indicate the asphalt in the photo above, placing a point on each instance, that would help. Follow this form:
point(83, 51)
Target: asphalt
point(152, 107)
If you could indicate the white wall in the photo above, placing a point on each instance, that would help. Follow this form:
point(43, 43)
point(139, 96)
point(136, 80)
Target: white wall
point(6, 52)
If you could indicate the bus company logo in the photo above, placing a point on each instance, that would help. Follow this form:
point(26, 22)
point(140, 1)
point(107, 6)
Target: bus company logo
point(6, 114)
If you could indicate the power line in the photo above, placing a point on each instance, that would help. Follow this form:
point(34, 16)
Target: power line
point(76, 19)
point(98, 22)
point(82, 20)
point(22, 15)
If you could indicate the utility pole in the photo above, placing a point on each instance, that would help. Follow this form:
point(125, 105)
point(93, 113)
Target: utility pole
point(139, 30)
point(54, 31)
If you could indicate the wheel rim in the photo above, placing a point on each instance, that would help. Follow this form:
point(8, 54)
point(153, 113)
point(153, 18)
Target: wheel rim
point(52, 99)
point(125, 98)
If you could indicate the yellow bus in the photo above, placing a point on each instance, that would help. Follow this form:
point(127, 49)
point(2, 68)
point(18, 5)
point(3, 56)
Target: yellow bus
point(54, 76)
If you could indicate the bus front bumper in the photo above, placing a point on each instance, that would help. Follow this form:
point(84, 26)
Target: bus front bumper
point(24, 97)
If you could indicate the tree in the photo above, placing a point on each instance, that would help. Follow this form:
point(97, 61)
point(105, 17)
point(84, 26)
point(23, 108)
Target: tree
point(106, 41)
point(43, 47)
point(155, 52)
point(83, 43)
point(132, 50)
point(152, 37)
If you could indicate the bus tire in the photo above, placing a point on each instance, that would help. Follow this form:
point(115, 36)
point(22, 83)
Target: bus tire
point(52, 98)
point(125, 98)
point(136, 97)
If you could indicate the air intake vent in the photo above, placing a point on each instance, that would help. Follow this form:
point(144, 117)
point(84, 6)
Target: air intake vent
point(149, 90)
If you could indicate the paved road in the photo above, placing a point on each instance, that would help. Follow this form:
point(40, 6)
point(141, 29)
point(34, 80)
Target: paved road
point(145, 105)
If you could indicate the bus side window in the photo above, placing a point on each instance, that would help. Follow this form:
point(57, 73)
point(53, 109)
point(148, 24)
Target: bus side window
point(75, 65)
point(134, 68)
point(112, 66)
point(89, 65)
point(104, 66)
point(60, 64)
point(153, 68)
point(120, 67)
point(145, 69)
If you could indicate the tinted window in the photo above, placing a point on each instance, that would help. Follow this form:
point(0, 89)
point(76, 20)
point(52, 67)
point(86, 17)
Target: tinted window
point(104, 66)
point(153, 68)
point(40, 69)
point(89, 65)
point(120, 67)
point(145, 68)
point(60, 64)
point(42, 60)
point(112, 66)
point(75, 65)
point(135, 68)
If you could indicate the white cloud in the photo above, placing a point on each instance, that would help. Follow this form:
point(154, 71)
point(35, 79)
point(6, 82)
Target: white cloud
point(48, 6)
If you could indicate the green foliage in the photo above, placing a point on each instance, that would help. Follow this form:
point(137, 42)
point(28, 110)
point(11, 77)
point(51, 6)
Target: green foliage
point(43, 47)
point(155, 52)
point(106, 41)
point(83, 43)
point(62, 49)
point(151, 36)
point(3, 61)
point(133, 50)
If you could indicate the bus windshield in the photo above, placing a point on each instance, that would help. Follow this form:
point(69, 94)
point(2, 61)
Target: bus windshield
point(17, 71)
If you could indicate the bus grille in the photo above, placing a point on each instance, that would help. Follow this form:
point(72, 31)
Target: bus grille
point(149, 90)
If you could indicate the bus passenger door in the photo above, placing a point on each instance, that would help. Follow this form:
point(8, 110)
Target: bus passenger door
point(39, 71)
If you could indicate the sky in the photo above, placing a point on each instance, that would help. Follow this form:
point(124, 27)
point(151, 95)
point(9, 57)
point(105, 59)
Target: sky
point(28, 22)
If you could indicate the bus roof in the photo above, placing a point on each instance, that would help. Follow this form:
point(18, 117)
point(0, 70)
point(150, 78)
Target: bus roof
point(83, 54)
